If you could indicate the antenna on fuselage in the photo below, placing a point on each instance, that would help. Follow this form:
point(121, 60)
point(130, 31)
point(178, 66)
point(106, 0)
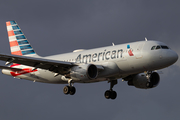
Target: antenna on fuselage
point(113, 44)
point(146, 39)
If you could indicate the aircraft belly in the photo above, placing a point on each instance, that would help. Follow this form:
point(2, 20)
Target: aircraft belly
point(47, 76)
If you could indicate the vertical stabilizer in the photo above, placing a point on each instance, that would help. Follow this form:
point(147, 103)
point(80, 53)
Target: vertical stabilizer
point(19, 44)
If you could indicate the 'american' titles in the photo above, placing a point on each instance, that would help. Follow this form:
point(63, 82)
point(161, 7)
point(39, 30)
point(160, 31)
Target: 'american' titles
point(106, 55)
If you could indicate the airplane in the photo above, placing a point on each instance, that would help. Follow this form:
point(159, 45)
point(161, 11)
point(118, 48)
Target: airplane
point(134, 62)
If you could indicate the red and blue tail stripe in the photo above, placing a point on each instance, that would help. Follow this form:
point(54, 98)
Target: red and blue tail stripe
point(19, 44)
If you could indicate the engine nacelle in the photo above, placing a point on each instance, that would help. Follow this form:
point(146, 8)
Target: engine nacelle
point(141, 81)
point(84, 72)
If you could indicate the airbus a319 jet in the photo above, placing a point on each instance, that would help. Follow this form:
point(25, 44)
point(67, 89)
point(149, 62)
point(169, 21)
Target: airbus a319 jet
point(134, 62)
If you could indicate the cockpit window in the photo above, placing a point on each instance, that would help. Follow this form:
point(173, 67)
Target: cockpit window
point(153, 47)
point(164, 47)
point(158, 47)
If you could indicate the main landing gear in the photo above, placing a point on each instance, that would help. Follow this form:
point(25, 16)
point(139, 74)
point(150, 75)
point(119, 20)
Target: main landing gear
point(70, 89)
point(110, 93)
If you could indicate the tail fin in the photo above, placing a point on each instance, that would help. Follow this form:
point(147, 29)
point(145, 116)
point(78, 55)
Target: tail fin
point(19, 44)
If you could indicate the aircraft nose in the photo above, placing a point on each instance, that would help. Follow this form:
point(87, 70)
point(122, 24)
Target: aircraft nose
point(172, 57)
point(175, 56)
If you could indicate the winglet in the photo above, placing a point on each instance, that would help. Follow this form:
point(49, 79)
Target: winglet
point(19, 44)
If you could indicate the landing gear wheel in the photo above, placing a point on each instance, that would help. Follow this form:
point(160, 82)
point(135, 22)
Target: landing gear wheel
point(72, 90)
point(110, 94)
point(113, 95)
point(107, 94)
point(69, 90)
point(66, 90)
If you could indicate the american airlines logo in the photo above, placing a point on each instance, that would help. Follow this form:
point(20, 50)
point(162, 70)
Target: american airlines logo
point(130, 52)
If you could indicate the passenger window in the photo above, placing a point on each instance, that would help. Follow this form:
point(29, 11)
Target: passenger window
point(153, 47)
point(164, 47)
point(158, 47)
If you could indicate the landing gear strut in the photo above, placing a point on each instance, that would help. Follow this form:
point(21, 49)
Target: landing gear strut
point(69, 89)
point(110, 93)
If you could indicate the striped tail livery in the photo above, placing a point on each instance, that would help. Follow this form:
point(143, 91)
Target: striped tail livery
point(19, 44)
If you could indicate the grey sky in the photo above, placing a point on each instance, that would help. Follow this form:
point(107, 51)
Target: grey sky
point(57, 26)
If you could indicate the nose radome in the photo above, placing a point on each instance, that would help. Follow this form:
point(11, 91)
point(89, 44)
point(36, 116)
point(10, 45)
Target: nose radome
point(173, 57)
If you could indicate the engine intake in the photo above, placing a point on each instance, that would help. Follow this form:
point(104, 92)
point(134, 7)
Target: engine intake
point(141, 81)
point(84, 72)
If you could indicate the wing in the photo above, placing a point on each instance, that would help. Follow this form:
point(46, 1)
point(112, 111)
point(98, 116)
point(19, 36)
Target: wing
point(60, 67)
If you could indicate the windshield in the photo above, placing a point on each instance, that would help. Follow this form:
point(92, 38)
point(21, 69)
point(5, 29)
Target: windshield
point(156, 47)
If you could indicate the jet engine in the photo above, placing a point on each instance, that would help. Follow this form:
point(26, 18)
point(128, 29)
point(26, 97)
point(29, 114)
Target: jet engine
point(142, 81)
point(84, 72)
